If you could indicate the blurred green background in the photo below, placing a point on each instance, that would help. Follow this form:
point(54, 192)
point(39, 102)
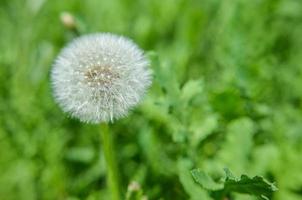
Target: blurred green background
point(227, 92)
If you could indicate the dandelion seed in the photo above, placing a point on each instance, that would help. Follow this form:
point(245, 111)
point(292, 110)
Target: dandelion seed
point(100, 77)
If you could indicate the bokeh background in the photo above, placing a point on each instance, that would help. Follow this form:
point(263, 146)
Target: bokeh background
point(227, 92)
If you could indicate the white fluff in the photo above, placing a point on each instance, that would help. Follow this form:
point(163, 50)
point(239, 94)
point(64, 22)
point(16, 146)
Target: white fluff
point(99, 77)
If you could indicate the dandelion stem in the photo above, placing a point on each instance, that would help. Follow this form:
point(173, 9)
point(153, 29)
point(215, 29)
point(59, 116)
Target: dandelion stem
point(111, 165)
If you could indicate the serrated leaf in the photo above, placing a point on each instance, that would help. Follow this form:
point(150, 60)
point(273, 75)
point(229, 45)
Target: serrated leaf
point(256, 186)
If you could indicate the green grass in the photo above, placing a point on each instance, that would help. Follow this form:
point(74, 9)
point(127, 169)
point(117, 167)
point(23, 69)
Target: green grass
point(227, 92)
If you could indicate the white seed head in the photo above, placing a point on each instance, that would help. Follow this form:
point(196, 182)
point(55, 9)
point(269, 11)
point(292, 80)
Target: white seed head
point(99, 77)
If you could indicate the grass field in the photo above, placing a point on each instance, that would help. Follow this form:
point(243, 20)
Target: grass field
point(226, 93)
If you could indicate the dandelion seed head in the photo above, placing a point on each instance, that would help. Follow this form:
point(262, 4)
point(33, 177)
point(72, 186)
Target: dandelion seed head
point(100, 77)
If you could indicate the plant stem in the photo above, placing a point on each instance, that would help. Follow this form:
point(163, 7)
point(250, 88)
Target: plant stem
point(111, 165)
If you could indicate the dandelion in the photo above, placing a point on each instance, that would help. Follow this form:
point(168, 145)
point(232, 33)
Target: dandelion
point(100, 77)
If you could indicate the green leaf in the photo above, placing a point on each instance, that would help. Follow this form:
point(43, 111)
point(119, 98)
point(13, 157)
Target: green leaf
point(238, 144)
point(205, 180)
point(165, 76)
point(202, 129)
point(256, 186)
point(80, 154)
point(194, 191)
point(191, 89)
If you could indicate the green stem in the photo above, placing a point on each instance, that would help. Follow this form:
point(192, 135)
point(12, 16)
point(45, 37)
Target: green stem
point(111, 165)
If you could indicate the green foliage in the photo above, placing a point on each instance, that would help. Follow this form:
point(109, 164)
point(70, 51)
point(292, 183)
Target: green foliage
point(256, 186)
point(227, 92)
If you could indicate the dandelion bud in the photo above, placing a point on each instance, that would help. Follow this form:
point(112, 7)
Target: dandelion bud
point(134, 186)
point(68, 20)
point(99, 77)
